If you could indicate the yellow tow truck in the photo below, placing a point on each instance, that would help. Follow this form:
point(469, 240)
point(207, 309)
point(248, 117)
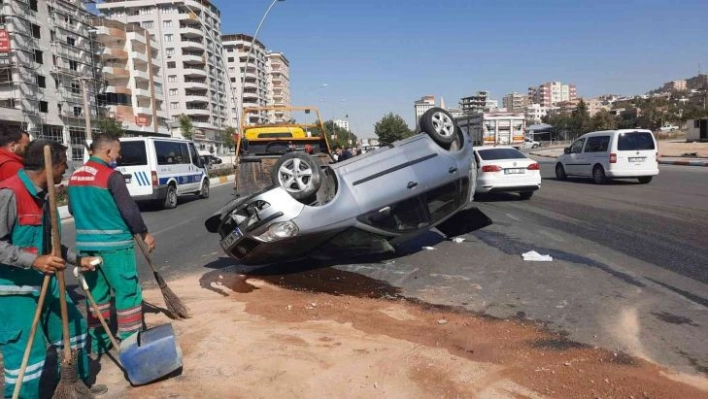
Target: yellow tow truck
point(260, 146)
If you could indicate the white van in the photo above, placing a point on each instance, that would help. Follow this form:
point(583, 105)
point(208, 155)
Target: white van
point(610, 154)
point(160, 169)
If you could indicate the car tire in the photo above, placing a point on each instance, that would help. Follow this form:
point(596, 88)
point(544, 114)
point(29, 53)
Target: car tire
point(170, 201)
point(204, 192)
point(439, 125)
point(645, 179)
point(298, 173)
point(560, 172)
point(526, 195)
point(598, 175)
point(456, 144)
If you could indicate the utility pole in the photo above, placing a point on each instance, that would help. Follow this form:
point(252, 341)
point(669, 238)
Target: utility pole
point(87, 110)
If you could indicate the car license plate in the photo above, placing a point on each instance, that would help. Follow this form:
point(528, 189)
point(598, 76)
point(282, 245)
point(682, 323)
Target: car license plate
point(516, 171)
point(637, 159)
point(230, 239)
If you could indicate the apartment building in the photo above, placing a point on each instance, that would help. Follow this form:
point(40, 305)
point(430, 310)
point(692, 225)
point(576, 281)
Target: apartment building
point(252, 69)
point(476, 103)
point(535, 112)
point(132, 91)
point(515, 102)
point(187, 33)
point(343, 124)
point(550, 93)
point(675, 85)
point(47, 50)
point(279, 85)
point(422, 105)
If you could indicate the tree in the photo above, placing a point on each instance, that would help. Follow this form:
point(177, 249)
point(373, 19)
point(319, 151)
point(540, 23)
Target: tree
point(186, 127)
point(110, 126)
point(228, 138)
point(603, 120)
point(580, 119)
point(391, 128)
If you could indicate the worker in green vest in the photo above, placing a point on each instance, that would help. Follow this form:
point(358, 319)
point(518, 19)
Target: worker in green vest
point(106, 218)
point(25, 256)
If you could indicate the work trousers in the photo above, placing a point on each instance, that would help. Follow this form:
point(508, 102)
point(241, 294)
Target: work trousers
point(119, 274)
point(16, 314)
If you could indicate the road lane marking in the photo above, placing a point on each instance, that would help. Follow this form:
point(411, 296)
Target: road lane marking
point(552, 236)
point(182, 223)
point(510, 216)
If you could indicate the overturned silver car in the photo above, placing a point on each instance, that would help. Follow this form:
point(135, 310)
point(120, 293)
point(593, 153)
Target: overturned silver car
point(363, 205)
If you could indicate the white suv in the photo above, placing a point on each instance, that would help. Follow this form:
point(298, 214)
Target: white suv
point(604, 155)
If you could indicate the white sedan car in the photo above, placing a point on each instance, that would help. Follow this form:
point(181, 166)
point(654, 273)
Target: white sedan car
point(506, 169)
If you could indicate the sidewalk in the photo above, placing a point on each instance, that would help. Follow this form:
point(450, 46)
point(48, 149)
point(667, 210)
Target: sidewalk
point(213, 182)
point(663, 159)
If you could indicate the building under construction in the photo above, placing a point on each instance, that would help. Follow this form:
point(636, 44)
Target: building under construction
point(48, 54)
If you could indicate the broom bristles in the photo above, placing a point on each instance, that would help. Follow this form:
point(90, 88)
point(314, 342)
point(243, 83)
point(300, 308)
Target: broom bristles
point(70, 387)
point(174, 305)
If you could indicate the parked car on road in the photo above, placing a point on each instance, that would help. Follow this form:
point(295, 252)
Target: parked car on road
point(530, 143)
point(362, 205)
point(211, 159)
point(611, 154)
point(506, 169)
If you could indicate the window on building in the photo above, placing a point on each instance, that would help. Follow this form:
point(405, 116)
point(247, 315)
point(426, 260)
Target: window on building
point(148, 24)
point(233, 80)
point(171, 65)
point(43, 106)
point(38, 58)
point(41, 81)
point(169, 37)
point(172, 78)
point(170, 51)
point(71, 41)
point(173, 92)
point(36, 32)
point(145, 10)
point(230, 59)
point(75, 88)
point(167, 24)
point(33, 5)
point(73, 65)
point(77, 111)
point(174, 105)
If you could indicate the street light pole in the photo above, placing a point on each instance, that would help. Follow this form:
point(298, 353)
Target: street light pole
point(239, 108)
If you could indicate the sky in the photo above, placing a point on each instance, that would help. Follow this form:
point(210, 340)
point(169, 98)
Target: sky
point(362, 59)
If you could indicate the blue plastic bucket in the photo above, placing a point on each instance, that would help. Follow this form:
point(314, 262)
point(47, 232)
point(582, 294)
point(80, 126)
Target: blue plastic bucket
point(151, 354)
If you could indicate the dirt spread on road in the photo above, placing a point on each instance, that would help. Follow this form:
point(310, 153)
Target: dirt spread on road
point(268, 336)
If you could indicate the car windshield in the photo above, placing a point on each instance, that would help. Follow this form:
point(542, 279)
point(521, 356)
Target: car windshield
point(132, 153)
point(635, 141)
point(500, 153)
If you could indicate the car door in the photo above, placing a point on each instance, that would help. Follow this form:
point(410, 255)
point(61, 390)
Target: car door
point(575, 160)
point(595, 152)
point(197, 167)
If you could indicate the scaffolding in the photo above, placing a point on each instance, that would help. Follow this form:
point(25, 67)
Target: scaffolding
point(76, 57)
point(20, 68)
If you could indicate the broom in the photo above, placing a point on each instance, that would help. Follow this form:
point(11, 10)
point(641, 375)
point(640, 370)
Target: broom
point(175, 306)
point(70, 386)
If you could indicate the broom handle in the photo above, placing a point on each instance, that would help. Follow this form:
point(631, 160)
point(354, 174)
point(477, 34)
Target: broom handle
point(33, 331)
point(141, 244)
point(56, 249)
point(99, 315)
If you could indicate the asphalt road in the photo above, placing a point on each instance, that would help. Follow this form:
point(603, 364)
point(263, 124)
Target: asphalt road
point(629, 269)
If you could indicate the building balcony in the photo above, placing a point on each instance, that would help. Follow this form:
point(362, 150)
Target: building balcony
point(110, 72)
point(136, 37)
point(105, 34)
point(195, 72)
point(140, 75)
point(193, 59)
point(193, 45)
point(114, 53)
point(139, 57)
point(142, 93)
point(143, 111)
point(196, 85)
point(190, 31)
point(198, 112)
point(192, 98)
point(118, 90)
point(189, 18)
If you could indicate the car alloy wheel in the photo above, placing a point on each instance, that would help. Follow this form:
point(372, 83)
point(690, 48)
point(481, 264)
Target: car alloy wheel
point(439, 125)
point(298, 173)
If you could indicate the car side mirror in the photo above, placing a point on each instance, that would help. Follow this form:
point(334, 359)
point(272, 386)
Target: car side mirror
point(566, 150)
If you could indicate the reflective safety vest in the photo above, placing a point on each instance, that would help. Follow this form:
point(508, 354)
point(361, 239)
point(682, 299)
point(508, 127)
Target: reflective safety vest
point(99, 224)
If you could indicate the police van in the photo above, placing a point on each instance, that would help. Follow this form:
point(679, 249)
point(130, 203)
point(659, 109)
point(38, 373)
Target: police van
point(161, 169)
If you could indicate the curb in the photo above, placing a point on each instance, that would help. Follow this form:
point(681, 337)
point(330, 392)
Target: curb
point(542, 155)
point(685, 163)
point(213, 181)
